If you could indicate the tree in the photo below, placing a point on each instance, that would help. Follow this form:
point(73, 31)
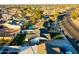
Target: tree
point(74, 14)
point(26, 24)
point(37, 13)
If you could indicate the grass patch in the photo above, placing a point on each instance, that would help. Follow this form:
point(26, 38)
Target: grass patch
point(53, 35)
point(58, 37)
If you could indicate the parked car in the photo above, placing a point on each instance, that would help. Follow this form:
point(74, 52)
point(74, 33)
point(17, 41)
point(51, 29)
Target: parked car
point(2, 21)
point(38, 40)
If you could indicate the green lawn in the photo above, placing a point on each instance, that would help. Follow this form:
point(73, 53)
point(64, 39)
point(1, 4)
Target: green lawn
point(58, 37)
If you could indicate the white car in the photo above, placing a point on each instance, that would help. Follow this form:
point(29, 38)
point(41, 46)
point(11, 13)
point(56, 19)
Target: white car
point(37, 40)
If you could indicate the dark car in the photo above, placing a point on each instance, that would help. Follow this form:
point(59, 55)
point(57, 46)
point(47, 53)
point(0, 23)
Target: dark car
point(2, 21)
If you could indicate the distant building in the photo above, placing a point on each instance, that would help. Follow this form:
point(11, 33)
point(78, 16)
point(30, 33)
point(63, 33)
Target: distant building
point(6, 16)
point(13, 10)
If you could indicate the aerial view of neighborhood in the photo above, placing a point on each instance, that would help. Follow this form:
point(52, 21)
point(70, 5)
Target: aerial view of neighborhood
point(39, 29)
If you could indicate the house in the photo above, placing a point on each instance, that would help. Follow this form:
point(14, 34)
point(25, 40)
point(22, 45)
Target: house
point(6, 37)
point(7, 34)
point(10, 50)
point(14, 28)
